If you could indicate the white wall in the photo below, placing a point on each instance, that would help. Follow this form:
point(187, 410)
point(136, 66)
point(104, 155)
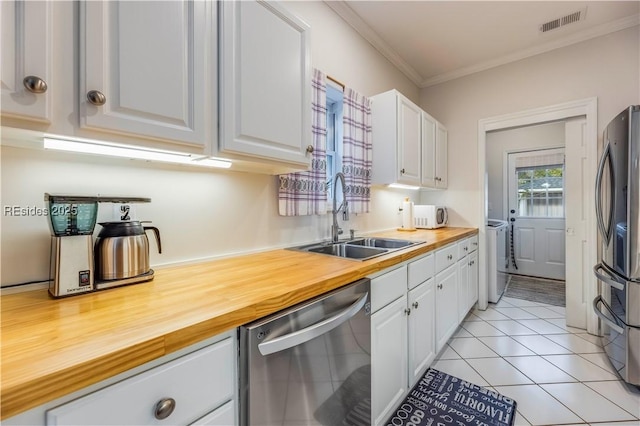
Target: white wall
point(606, 67)
point(201, 214)
point(550, 135)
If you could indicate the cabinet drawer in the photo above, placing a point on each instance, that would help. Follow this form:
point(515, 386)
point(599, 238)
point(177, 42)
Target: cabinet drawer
point(473, 243)
point(464, 248)
point(198, 382)
point(388, 287)
point(446, 257)
point(420, 270)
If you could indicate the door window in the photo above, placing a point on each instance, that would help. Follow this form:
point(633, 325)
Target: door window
point(541, 191)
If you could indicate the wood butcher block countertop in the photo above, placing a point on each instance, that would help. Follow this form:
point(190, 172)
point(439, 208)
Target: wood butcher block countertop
point(52, 347)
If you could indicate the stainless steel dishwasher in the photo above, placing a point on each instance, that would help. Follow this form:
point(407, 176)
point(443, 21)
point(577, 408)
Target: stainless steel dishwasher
point(309, 364)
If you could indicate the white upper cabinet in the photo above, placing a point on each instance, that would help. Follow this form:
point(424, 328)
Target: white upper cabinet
point(434, 153)
point(265, 83)
point(396, 133)
point(146, 68)
point(26, 59)
point(409, 145)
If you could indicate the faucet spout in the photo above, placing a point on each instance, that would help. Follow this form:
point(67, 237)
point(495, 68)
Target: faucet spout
point(344, 206)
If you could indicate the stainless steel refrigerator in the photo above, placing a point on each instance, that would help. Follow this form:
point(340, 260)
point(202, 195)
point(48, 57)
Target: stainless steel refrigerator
point(618, 217)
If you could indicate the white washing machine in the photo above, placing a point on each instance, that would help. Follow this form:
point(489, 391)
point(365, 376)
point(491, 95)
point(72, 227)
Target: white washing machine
point(497, 258)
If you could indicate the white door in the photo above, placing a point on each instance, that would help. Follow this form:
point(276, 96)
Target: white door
point(577, 193)
point(537, 212)
point(144, 68)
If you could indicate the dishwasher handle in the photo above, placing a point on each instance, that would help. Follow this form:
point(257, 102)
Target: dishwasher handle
point(301, 336)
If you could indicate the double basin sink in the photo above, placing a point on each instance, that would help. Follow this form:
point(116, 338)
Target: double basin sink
point(359, 248)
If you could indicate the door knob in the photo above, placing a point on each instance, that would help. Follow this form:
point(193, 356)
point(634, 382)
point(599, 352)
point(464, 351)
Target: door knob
point(34, 84)
point(96, 98)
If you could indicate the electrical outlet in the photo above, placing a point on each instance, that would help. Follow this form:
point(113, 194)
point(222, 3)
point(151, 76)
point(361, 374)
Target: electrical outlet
point(123, 211)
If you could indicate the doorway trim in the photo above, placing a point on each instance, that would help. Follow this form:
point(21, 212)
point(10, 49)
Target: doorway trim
point(585, 107)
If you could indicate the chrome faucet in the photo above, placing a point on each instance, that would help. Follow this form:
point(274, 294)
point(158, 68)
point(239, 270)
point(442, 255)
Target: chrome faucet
point(335, 229)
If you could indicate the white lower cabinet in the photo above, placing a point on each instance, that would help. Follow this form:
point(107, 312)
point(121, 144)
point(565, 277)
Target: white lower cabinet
point(467, 276)
point(463, 288)
point(388, 359)
point(422, 348)
point(447, 321)
point(197, 388)
point(402, 340)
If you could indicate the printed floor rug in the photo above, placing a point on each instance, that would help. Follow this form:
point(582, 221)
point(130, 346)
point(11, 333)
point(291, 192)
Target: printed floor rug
point(551, 292)
point(439, 399)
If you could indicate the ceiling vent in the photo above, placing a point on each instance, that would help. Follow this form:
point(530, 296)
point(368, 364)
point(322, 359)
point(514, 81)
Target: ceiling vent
point(565, 20)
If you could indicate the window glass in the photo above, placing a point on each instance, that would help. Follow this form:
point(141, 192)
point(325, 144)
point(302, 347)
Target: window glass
point(541, 191)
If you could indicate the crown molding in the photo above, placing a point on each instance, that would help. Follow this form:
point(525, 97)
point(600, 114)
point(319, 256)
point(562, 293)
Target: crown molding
point(350, 17)
point(585, 35)
point(368, 33)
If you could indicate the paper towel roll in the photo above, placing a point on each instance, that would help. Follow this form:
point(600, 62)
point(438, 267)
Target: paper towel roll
point(407, 215)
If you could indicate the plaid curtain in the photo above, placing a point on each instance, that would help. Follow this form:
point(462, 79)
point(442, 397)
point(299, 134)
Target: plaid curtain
point(305, 193)
point(357, 150)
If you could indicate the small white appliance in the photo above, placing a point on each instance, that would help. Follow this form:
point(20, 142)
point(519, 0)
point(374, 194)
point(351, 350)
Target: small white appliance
point(497, 234)
point(430, 216)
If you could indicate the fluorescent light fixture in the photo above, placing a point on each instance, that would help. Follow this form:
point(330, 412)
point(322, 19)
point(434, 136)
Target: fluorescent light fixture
point(401, 186)
point(114, 150)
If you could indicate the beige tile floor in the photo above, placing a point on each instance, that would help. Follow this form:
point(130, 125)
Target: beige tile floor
point(558, 375)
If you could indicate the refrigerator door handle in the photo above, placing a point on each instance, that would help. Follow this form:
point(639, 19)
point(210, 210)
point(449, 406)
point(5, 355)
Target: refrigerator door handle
point(597, 301)
point(301, 336)
point(606, 277)
point(605, 231)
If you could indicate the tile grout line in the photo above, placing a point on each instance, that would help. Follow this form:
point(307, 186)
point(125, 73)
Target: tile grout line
point(572, 352)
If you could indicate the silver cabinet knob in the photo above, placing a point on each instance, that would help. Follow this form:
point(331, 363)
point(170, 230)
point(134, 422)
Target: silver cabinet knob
point(440, 286)
point(415, 305)
point(34, 84)
point(309, 149)
point(407, 311)
point(164, 408)
point(402, 171)
point(450, 257)
point(96, 98)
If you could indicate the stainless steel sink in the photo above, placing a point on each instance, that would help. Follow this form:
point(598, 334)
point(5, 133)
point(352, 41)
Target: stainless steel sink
point(359, 248)
point(383, 243)
point(348, 251)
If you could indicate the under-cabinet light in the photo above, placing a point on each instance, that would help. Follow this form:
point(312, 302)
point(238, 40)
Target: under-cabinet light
point(401, 186)
point(114, 150)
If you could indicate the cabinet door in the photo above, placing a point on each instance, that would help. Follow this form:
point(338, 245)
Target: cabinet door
point(421, 325)
point(409, 140)
point(26, 52)
point(388, 359)
point(265, 82)
point(446, 305)
point(463, 288)
point(150, 62)
point(473, 279)
point(441, 156)
point(428, 151)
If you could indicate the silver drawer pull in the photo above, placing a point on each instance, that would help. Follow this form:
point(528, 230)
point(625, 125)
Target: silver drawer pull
point(415, 305)
point(164, 408)
point(34, 84)
point(96, 98)
point(440, 286)
point(450, 257)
